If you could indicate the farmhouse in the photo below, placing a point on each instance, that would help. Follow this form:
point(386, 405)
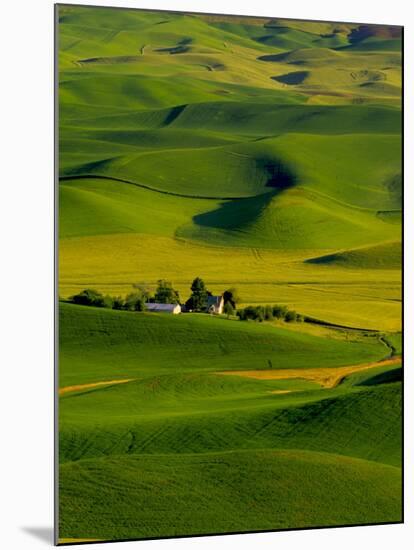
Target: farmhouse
point(215, 304)
point(163, 308)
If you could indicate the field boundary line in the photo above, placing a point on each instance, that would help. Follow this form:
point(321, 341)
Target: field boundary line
point(149, 188)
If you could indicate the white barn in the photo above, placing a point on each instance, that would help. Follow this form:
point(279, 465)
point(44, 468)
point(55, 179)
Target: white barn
point(163, 308)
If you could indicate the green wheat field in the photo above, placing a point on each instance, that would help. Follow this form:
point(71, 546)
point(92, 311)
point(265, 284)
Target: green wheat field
point(262, 155)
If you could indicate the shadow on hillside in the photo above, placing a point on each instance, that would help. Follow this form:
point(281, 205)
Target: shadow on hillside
point(292, 79)
point(236, 213)
point(96, 167)
point(279, 176)
point(387, 377)
point(275, 58)
point(183, 46)
point(326, 259)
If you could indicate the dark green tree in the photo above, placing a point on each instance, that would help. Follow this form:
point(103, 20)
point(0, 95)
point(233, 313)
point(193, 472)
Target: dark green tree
point(231, 295)
point(89, 297)
point(290, 316)
point(241, 314)
point(279, 312)
point(250, 312)
point(135, 301)
point(260, 313)
point(118, 302)
point(165, 293)
point(268, 313)
point(199, 294)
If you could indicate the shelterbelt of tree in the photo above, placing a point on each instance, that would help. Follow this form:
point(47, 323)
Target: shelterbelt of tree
point(259, 154)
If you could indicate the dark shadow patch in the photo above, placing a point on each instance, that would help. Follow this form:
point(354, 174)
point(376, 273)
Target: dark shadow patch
point(174, 113)
point(291, 79)
point(363, 32)
point(269, 39)
point(274, 58)
point(394, 375)
point(377, 256)
point(232, 215)
point(173, 50)
point(119, 59)
point(183, 46)
point(327, 259)
point(89, 167)
point(298, 62)
point(368, 85)
point(279, 176)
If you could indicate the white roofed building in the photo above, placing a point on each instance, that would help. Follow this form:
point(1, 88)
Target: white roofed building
point(163, 308)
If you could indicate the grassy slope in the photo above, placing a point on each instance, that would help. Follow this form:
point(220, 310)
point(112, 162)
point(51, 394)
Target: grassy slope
point(174, 421)
point(150, 341)
point(304, 120)
point(235, 491)
point(387, 255)
point(178, 405)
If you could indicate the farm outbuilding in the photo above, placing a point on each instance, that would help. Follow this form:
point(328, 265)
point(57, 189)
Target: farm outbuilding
point(163, 308)
point(215, 304)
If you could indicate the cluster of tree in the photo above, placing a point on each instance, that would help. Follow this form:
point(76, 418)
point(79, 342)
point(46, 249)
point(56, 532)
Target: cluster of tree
point(199, 298)
point(90, 297)
point(267, 313)
point(134, 301)
point(164, 294)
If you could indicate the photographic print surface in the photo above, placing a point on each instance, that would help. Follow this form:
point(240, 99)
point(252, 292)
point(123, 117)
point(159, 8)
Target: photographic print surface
point(230, 197)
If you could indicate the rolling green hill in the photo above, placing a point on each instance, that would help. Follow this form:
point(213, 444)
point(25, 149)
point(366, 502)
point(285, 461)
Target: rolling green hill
point(145, 342)
point(248, 491)
point(175, 403)
point(257, 153)
point(387, 255)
